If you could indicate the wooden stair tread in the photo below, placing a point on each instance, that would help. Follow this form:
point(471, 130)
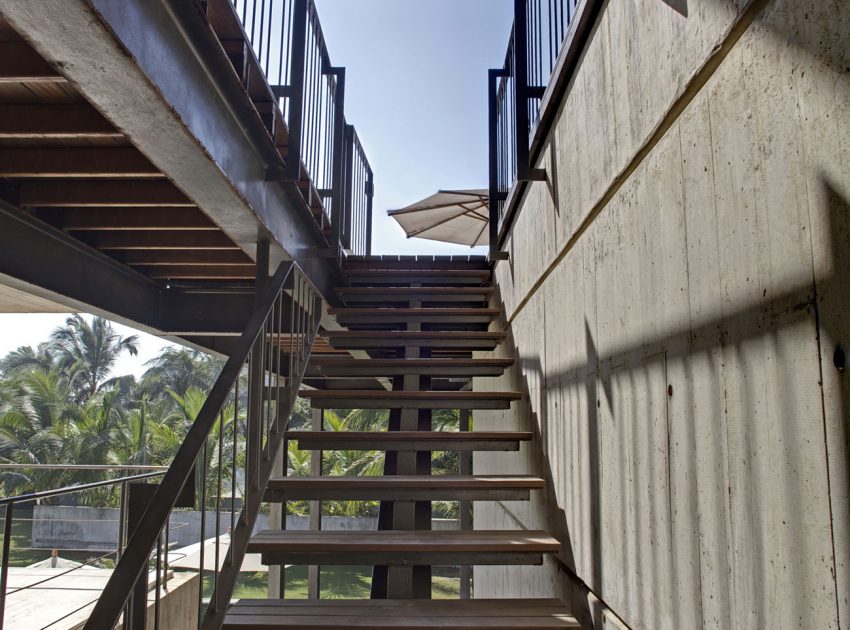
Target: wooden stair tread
point(393, 291)
point(339, 361)
point(418, 481)
point(350, 366)
point(394, 614)
point(355, 436)
point(411, 261)
point(429, 271)
point(425, 395)
point(457, 339)
point(487, 540)
point(404, 487)
point(393, 399)
point(413, 312)
point(404, 334)
point(409, 440)
point(437, 310)
point(403, 547)
point(406, 276)
point(391, 295)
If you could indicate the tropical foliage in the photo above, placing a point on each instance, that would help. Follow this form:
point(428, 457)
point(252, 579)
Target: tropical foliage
point(60, 404)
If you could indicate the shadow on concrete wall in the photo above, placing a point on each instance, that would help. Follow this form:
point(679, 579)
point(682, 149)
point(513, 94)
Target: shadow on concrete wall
point(824, 302)
point(680, 6)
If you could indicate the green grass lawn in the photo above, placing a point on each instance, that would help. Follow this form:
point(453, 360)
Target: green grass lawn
point(337, 582)
point(342, 582)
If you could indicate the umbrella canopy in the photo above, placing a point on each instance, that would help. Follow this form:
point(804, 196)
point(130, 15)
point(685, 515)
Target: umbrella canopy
point(190, 557)
point(450, 216)
point(55, 562)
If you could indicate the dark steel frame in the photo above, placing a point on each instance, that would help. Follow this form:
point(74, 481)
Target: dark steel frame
point(274, 347)
point(9, 503)
point(543, 50)
point(310, 92)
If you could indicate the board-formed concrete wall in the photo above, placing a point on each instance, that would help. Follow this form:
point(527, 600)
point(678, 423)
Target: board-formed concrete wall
point(675, 294)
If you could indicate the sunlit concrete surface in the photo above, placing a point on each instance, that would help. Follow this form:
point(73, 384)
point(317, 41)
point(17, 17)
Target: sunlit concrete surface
point(62, 600)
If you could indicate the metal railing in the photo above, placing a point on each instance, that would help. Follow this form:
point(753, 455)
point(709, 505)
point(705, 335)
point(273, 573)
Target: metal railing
point(289, 46)
point(237, 433)
point(542, 29)
point(9, 504)
point(357, 238)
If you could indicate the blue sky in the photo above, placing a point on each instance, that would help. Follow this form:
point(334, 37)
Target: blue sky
point(416, 89)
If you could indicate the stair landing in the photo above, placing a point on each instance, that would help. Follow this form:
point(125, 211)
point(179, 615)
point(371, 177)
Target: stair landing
point(489, 614)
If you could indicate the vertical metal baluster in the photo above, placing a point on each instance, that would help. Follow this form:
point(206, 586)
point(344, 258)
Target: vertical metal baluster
point(268, 381)
point(278, 350)
point(269, 38)
point(552, 35)
point(214, 601)
point(203, 473)
point(305, 289)
point(284, 44)
point(291, 343)
point(233, 465)
point(248, 412)
point(312, 100)
point(157, 582)
point(165, 546)
point(8, 517)
point(297, 89)
point(317, 102)
point(262, 27)
point(122, 520)
point(253, 21)
point(300, 326)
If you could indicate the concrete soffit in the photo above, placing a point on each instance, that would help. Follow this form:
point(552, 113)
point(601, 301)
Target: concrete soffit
point(136, 64)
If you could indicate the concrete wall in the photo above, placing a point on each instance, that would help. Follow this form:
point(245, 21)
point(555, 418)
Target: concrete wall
point(96, 529)
point(676, 293)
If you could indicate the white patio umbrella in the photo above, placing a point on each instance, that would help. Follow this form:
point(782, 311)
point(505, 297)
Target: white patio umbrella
point(450, 216)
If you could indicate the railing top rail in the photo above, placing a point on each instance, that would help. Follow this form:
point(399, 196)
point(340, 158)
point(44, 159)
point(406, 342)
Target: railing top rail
point(46, 494)
point(104, 467)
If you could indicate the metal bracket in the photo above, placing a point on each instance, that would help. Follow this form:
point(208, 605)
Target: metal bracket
point(282, 91)
point(327, 252)
point(535, 175)
point(499, 255)
point(535, 91)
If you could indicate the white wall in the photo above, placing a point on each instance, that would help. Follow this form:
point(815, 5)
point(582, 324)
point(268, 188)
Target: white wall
point(711, 259)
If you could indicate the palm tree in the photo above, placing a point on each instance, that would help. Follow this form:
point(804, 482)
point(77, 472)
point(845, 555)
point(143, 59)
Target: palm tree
point(25, 359)
point(87, 352)
point(35, 407)
point(178, 369)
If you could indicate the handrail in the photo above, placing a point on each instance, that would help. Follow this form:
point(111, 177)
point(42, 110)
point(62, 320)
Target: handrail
point(260, 348)
point(9, 503)
point(47, 494)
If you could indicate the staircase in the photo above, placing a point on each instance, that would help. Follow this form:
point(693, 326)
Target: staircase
point(414, 324)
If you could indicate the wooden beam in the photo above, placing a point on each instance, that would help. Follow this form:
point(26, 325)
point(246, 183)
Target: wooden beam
point(198, 272)
point(44, 162)
point(153, 240)
point(66, 121)
point(46, 262)
point(78, 193)
point(110, 219)
point(195, 258)
point(19, 63)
